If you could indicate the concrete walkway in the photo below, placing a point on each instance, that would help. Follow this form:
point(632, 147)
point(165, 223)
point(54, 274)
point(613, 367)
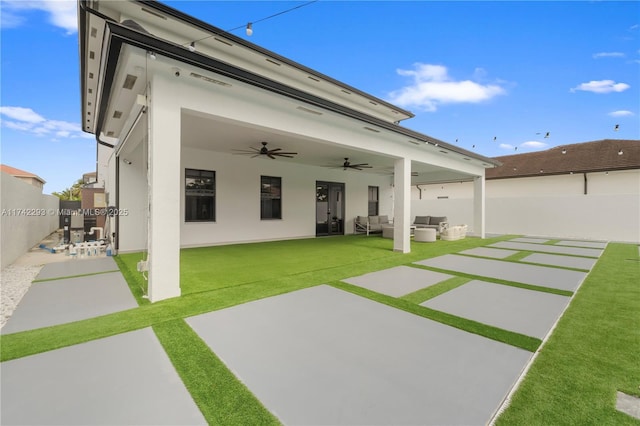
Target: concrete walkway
point(75, 290)
point(323, 356)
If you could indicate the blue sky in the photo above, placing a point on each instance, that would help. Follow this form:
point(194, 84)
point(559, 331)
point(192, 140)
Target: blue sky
point(493, 76)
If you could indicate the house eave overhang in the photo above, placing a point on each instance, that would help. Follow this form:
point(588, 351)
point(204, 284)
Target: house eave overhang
point(563, 172)
point(118, 35)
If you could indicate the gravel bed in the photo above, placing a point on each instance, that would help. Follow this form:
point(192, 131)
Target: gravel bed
point(15, 281)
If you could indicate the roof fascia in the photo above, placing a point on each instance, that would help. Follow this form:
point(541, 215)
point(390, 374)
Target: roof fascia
point(163, 8)
point(119, 34)
point(575, 172)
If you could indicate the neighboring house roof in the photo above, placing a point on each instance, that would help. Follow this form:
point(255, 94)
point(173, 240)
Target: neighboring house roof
point(20, 173)
point(596, 156)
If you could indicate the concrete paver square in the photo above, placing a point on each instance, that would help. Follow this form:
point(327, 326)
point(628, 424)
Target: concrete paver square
point(120, 380)
point(328, 357)
point(528, 312)
point(489, 252)
point(527, 274)
point(560, 260)
point(590, 244)
point(547, 248)
point(530, 240)
point(77, 267)
point(398, 281)
point(66, 300)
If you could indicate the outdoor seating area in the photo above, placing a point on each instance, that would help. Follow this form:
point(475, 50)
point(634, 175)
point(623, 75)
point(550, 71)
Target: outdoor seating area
point(432, 222)
point(371, 224)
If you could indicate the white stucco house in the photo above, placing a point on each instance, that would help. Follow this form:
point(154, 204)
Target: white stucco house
point(182, 110)
point(588, 190)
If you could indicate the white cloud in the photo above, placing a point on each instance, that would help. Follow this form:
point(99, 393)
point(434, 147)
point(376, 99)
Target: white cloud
point(28, 121)
point(601, 86)
point(608, 55)
point(61, 13)
point(529, 145)
point(22, 114)
point(433, 86)
point(534, 145)
point(620, 113)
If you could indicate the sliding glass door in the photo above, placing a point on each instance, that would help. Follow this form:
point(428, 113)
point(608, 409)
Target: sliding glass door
point(329, 208)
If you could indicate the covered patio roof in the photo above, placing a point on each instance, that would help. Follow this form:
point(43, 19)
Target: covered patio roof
point(117, 37)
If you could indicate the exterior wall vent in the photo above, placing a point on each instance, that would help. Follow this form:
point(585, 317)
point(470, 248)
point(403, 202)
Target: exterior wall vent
point(414, 142)
point(310, 111)
point(117, 114)
point(272, 61)
point(92, 54)
point(444, 152)
point(151, 12)
point(129, 81)
point(371, 130)
point(313, 78)
point(345, 91)
point(94, 32)
point(210, 80)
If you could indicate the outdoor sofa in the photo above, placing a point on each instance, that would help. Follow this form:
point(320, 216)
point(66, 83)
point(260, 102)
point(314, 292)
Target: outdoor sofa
point(371, 224)
point(432, 222)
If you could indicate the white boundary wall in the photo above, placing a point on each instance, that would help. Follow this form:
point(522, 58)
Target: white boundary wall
point(19, 231)
point(546, 206)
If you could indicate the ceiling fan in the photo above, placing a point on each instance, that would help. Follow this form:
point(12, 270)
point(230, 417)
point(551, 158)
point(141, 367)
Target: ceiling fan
point(271, 153)
point(347, 165)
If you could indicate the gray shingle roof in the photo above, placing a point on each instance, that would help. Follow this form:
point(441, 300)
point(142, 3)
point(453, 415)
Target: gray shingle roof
point(602, 155)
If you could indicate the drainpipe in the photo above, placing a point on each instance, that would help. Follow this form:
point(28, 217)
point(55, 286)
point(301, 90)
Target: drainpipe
point(585, 183)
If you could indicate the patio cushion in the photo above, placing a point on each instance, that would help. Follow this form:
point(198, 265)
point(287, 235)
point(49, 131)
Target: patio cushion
point(374, 220)
point(384, 219)
point(422, 220)
point(362, 219)
point(435, 220)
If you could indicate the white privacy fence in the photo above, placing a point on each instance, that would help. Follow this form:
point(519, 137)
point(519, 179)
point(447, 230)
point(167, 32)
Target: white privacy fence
point(27, 217)
point(613, 217)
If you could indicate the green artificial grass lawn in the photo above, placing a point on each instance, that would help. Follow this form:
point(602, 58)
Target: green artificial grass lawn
point(594, 352)
point(214, 278)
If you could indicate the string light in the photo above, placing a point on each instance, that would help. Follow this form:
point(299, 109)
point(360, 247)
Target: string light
point(249, 26)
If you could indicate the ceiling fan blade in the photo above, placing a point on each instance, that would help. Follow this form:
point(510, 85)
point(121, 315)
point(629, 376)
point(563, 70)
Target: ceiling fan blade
point(274, 150)
point(363, 165)
point(285, 153)
point(271, 156)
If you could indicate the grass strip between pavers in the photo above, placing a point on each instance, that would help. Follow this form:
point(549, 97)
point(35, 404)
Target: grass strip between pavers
point(435, 290)
point(74, 276)
point(220, 396)
point(528, 343)
point(593, 353)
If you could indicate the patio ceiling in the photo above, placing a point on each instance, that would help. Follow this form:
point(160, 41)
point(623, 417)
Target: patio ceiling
point(225, 136)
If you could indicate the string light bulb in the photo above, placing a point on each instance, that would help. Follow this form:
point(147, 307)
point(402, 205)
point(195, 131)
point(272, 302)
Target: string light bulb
point(249, 29)
point(192, 46)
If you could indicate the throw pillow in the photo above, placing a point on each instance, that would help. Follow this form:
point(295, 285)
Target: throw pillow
point(421, 220)
point(435, 220)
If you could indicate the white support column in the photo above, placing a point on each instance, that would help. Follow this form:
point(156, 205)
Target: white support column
point(402, 205)
point(164, 186)
point(479, 206)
